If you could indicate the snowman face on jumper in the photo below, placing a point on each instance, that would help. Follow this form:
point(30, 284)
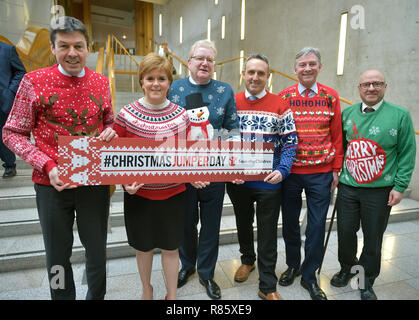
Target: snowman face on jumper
point(198, 112)
point(199, 115)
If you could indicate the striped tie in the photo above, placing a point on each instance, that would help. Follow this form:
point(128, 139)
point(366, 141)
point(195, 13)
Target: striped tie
point(307, 92)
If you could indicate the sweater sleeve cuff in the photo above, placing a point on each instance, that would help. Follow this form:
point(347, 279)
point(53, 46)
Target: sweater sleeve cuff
point(284, 173)
point(399, 188)
point(49, 165)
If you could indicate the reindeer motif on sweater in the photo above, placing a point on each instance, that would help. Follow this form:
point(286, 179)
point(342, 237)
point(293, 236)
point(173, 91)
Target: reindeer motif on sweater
point(49, 104)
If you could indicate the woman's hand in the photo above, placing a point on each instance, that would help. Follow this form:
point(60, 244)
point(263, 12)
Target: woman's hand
point(108, 134)
point(133, 188)
point(200, 184)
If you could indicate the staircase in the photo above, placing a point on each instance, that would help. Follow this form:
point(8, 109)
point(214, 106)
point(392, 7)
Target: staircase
point(21, 243)
point(127, 86)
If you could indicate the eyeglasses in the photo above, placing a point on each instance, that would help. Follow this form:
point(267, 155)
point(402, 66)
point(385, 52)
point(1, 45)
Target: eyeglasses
point(202, 59)
point(376, 85)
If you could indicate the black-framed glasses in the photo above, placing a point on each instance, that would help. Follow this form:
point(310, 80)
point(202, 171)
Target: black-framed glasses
point(375, 84)
point(202, 59)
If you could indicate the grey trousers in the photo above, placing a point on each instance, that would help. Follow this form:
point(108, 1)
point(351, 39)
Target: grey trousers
point(57, 210)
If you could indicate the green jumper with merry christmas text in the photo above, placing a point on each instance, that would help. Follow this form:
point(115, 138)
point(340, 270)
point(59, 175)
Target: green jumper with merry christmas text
point(380, 147)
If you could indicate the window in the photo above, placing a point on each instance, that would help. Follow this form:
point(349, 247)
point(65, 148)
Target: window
point(209, 29)
point(243, 16)
point(223, 27)
point(342, 43)
point(180, 29)
point(160, 24)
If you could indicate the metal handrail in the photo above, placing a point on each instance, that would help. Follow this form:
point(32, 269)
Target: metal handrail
point(100, 60)
point(244, 58)
point(113, 47)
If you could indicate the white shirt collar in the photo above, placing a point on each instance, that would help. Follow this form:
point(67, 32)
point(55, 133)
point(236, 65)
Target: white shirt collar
point(260, 95)
point(80, 75)
point(301, 88)
point(194, 82)
point(375, 107)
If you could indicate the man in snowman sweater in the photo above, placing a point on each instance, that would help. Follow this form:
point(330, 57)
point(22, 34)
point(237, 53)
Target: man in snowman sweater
point(212, 110)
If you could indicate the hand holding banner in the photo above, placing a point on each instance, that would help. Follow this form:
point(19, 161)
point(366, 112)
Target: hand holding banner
point(90, 161)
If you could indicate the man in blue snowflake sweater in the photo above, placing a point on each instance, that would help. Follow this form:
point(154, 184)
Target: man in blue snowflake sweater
point(203, 96)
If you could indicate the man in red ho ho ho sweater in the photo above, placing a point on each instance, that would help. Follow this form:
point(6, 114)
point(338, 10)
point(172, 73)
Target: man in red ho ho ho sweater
point(317, 116)
point(65, 99)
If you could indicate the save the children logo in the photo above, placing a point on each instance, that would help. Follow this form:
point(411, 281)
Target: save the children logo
point(365, 158)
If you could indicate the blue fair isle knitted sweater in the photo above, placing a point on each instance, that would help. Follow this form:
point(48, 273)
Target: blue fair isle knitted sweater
point(216, 95)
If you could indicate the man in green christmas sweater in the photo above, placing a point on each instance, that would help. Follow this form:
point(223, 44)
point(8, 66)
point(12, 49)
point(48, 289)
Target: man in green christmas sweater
point(380, 150)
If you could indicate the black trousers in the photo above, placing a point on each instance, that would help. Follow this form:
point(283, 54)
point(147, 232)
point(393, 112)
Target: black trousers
point(205, 206)
point(267, 214)
point(365, 207)
point(56, 213)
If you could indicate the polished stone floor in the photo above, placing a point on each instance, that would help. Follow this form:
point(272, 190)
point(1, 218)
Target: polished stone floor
point(399, 278)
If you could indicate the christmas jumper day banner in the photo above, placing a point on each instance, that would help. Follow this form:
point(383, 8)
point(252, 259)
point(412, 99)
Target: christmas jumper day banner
point(90, 161)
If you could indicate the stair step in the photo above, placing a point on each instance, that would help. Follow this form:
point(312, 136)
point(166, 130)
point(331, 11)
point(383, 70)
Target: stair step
point(21, 222)
point(23, 178)
point(26, 252)
point(24, 197)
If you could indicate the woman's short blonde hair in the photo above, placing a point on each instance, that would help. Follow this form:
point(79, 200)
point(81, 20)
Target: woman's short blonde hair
point(153, 61)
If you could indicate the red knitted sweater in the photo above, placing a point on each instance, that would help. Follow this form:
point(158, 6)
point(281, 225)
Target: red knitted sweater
point(136, 120)
point(319, 130)
point(48, 104)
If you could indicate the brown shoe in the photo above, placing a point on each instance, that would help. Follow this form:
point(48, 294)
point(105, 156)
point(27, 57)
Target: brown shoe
point(243, 272)
point(269, 296)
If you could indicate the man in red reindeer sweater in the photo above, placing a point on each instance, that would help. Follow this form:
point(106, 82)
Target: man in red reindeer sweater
point(65, 99)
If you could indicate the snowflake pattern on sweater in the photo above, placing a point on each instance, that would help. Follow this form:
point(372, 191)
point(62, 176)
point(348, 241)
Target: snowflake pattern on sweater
point(220, 99)
point(269, 119)
point(380, 147)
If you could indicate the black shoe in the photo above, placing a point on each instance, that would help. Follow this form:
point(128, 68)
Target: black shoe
point(341, 279)
point(9, 173)
point(315, 292)
point(368, 294)
point(213, 290)
point(183, 276)
point(287, 278)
